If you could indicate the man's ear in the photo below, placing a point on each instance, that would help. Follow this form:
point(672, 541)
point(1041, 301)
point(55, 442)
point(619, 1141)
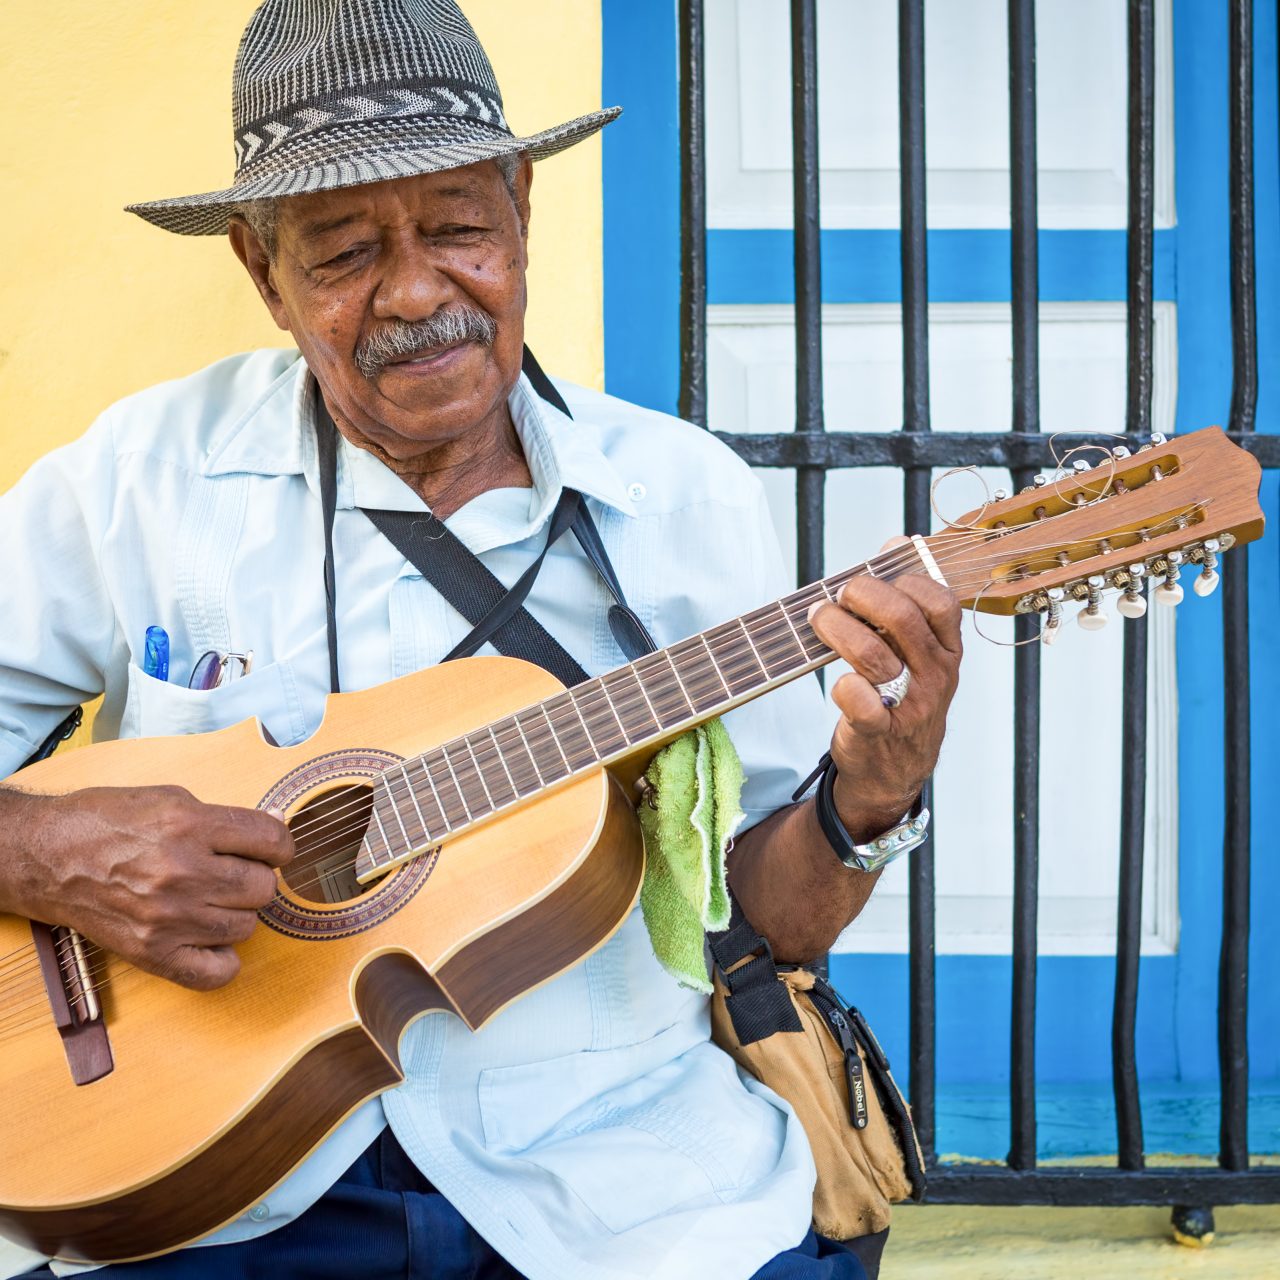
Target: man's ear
point(257, 262)
point(524, 180)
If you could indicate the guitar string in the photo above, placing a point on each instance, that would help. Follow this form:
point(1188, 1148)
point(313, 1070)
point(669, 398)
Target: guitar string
point(766, 624)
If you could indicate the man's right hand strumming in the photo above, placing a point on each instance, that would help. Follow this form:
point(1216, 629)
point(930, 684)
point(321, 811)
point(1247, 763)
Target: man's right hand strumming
point(152, 874)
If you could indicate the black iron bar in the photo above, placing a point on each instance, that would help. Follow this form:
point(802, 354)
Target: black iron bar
point(1133, 738)
point(810, 480)
point(939, 449)
point(987, 1185)
point(1025, 297)
point(693, 216)
point(916, 507)
point(1233, 965)
point(808, 282)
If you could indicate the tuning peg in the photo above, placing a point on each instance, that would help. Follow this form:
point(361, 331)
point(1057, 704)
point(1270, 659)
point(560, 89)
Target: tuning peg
point(1039, 481)
point(1053, 614)
point(1207, 583)
point(1120, 452)
point(1169, 592)
point(1080, 466)
point(1000, 495)
point(1133, 604)
point(1091, 617)
point(1159, 438)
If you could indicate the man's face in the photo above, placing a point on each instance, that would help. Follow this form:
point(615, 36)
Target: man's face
point(357, 269)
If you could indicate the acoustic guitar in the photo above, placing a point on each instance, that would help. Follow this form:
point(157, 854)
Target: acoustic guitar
point(463, 834)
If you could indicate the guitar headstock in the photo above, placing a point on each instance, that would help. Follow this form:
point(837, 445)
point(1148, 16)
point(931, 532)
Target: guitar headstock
point(1170, 507)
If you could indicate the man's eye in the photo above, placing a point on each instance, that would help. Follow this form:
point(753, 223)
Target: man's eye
point(347, 255)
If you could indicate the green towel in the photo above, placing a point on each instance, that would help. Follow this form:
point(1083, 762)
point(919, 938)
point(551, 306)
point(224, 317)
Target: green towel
point(688, 816)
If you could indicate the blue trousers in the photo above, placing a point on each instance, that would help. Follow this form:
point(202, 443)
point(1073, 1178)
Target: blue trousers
point(383, 1220)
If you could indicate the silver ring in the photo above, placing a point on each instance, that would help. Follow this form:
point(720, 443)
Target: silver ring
point(893, 691)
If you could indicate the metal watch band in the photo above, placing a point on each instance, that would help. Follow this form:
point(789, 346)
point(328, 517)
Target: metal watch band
point(913, 830)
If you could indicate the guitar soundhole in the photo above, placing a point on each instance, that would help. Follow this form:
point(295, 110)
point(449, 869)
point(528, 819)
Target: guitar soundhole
point(326, 832)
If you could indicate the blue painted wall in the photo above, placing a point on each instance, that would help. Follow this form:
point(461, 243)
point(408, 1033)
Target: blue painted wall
point(1178, 998)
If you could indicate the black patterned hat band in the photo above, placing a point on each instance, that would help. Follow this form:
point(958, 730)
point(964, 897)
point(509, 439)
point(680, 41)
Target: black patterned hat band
point(333, 93)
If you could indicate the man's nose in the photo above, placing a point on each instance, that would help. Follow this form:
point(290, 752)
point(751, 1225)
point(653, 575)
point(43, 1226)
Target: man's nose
point(412, 285)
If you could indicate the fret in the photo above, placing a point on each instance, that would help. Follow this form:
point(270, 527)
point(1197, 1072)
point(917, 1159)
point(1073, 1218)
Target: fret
point(770, 642)
point(488, 795)
point(551, 764)
point(395, 812)
point(528, 750)
point(382, 834)
point(568, 768)
point(813, 647)
point(700, 680)
point(442, 785)
point(684, 693)
point(518, 759)
point(660, 686)
point(571, 731)
point(462, 795)
point(719, 674)
point(439, 804)
point(502, 760)
point(738, 666)
point(600, 719)
point(795, 631)
point(655, 725)
point(414, 842)
point(604, 688)
point(638, 717)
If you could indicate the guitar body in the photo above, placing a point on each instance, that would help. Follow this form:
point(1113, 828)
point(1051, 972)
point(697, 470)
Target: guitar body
point(212, 1098)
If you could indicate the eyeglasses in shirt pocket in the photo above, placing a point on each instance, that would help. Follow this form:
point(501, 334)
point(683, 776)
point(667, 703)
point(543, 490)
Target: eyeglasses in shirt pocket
point(157, 708)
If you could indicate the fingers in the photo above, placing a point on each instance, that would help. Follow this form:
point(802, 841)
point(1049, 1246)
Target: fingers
point(915, 618)
point(861, 705)
point(249, 833)
point(940, 608)
point(241, 883)
point(200, 968)
point(218, 927)
point(866, 652)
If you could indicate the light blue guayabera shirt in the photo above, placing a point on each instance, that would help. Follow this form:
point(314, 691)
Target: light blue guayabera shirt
point(591, 1130)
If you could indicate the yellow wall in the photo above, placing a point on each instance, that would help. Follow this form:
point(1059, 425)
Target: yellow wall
point(108, 103)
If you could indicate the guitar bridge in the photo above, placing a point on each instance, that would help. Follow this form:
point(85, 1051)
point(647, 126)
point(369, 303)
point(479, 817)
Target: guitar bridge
point(73, 999)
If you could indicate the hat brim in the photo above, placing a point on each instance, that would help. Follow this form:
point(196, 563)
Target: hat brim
point(364, 151)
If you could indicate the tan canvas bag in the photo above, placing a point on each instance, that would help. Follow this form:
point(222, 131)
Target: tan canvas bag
point(832, 1071)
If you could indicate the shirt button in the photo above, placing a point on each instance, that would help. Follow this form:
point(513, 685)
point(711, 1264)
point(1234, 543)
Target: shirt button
point(636, 491)
point(260, 1212)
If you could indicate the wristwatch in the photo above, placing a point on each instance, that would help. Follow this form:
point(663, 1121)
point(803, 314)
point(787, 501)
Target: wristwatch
point(912, 831)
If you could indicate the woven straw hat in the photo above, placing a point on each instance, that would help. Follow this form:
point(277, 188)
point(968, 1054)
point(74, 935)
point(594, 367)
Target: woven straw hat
point(333, 93)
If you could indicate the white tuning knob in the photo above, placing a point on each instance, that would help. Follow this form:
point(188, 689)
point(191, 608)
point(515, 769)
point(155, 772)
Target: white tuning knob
point(1132, 606)
point(1053, 615)
point(1169, 593)
point(1206, 584)
point(1092, 621)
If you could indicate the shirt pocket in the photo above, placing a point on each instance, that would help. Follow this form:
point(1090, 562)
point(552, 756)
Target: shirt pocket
point(156, 708)
point(633, 1133)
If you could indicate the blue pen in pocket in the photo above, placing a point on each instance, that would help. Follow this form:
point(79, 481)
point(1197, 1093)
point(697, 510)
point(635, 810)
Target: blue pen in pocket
point(155, 653)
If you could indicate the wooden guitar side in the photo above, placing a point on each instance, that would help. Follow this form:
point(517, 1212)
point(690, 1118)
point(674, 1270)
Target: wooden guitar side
point(216, 1097)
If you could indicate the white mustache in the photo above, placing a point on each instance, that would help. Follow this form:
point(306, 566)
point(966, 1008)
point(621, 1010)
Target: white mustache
point(401, 339)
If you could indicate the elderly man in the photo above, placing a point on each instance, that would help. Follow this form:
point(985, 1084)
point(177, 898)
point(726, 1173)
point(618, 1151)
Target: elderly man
point(381, 208)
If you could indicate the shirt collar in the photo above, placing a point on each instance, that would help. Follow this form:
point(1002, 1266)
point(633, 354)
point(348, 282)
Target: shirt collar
point(275, 437)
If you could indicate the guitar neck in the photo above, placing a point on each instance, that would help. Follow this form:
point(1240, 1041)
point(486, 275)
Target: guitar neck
point(626, 713)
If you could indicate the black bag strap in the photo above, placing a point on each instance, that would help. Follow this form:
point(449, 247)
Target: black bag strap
point(66, 727)
point(496, 614)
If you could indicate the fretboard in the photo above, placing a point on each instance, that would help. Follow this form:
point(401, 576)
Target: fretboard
point(430, 797)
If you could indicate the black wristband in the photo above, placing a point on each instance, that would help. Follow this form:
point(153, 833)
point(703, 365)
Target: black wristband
point(842, 843)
